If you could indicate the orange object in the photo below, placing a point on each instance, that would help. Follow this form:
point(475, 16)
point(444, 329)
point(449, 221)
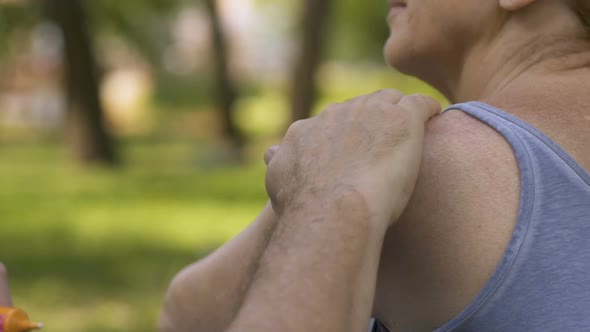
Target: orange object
point(16, 320)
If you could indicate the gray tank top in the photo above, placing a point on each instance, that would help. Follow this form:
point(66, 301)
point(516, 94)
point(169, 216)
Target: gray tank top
point(543, 280)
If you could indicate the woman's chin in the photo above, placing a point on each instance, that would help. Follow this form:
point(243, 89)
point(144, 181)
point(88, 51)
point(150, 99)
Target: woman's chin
point(395, 55)
point(410, 64)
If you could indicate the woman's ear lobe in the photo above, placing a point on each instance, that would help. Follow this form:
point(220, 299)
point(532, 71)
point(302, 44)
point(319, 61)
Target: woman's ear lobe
point(514, 5)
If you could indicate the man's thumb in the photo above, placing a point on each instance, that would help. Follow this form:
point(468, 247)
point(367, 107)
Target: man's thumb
point(270, 153)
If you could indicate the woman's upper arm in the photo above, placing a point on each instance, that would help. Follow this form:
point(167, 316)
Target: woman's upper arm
point(456, 226)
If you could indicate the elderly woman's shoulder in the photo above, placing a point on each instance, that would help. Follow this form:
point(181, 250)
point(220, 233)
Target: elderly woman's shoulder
point(460, 218)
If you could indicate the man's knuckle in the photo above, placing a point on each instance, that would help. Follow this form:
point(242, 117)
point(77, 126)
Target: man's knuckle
point(392, 92)
point(413, 98)
point(332, 107)
point(388, 95)
point(177, 283)
point(298, 124)
point(295, 128)
point(430, 101)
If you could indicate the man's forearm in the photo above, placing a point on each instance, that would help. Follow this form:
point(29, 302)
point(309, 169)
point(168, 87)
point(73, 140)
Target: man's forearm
point(206, 295)
point(317, 273)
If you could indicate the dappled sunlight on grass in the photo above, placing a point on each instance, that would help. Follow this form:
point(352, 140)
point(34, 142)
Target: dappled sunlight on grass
point(93, 250)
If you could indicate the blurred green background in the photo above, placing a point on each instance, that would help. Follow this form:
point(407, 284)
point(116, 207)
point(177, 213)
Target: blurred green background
point(132, 135)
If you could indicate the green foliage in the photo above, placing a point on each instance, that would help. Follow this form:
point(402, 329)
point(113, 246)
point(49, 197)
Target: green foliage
point(94, 250)
point(359, 29)
point(15, 17)
point(139, 22)
point(183, 91)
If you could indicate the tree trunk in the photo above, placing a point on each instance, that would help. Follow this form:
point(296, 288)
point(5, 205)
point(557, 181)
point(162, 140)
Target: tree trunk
point(86, 129)
point(225, 89)
point(304, 88)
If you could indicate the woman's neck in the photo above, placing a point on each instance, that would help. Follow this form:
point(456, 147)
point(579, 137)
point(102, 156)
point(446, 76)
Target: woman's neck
point(553, 50)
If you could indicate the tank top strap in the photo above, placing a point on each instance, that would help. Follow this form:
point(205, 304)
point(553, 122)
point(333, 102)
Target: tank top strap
point(502, 121)
point(541, 281)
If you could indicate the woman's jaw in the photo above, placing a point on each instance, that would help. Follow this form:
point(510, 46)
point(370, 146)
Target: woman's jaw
point(472, 51)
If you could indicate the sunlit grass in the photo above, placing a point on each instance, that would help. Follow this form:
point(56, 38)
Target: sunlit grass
point(93, 250)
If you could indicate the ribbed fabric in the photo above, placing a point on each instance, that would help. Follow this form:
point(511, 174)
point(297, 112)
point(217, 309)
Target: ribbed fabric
point(543, 280)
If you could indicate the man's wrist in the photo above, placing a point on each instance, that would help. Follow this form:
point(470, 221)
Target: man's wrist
point(330, 246)
point(345, 205)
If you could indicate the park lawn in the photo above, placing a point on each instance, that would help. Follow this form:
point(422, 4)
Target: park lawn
point(94, 249)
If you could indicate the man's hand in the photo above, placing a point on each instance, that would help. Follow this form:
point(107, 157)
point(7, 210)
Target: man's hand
point(5, 300)
point(336, 183)
point(370, 145)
